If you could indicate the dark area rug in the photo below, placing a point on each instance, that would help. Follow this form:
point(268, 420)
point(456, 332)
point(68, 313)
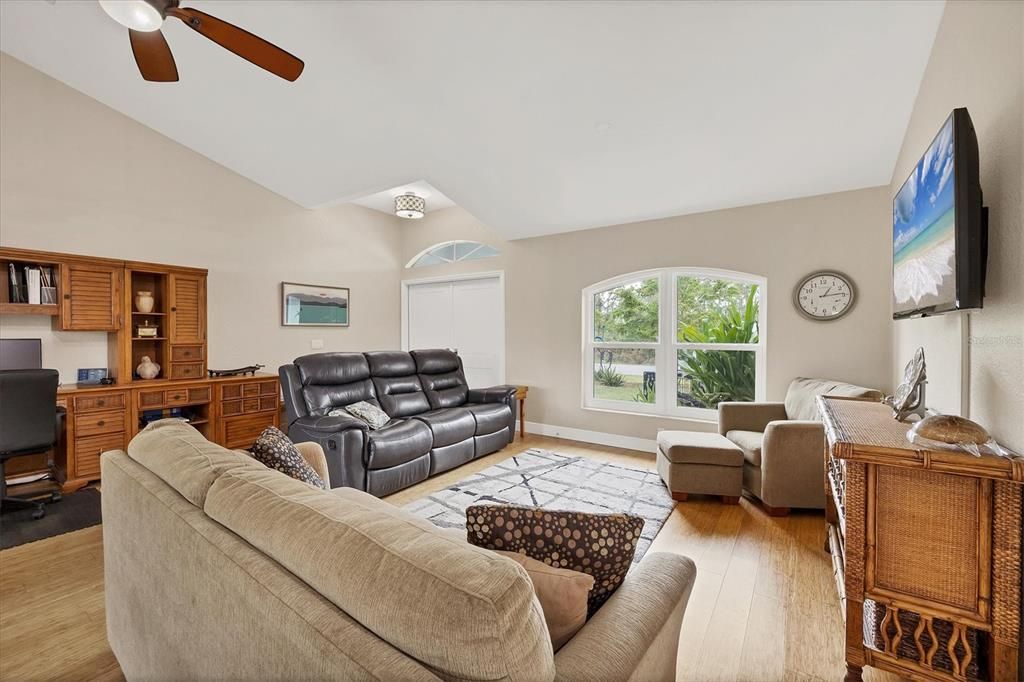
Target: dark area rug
point(542, 478)
point(75, 511)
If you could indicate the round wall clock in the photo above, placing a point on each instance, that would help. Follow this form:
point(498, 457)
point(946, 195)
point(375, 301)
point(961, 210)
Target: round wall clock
point(824, 295)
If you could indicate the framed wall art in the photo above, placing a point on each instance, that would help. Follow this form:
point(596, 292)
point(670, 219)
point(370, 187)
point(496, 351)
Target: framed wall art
point(310, 305)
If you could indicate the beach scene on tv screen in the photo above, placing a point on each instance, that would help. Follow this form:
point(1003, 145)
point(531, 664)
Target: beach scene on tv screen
point(923, 230)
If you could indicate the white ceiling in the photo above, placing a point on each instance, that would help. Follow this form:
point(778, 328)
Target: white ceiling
point(385, 201)
point(537, 117)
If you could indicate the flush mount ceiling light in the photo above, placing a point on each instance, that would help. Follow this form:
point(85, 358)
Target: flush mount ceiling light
point(410, 206)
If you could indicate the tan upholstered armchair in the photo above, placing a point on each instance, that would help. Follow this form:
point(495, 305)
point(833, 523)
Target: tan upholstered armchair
point(782, 443)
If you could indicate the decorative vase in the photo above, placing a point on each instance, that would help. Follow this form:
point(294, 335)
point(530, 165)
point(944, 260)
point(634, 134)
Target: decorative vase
point(148, 369)
point(144, 301)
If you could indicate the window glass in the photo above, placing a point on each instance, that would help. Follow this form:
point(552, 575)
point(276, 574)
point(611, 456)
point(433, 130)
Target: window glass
point(445, 251)
point(625, 374)
point(483, 252)
point(712, 310)
point(705, 378)
point(464, 249)
point(627, 313)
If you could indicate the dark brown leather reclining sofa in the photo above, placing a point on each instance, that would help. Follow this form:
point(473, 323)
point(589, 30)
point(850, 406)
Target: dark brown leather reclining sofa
point(437, 421)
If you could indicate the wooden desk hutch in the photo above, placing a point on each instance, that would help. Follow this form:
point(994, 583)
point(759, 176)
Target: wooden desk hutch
point(98, 294)
point(927, 550)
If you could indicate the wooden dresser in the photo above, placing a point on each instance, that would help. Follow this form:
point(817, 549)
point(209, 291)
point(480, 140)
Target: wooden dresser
point(99, 294)
point(926, 547)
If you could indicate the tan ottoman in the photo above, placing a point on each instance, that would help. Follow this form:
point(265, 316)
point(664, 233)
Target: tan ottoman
point(700, 463)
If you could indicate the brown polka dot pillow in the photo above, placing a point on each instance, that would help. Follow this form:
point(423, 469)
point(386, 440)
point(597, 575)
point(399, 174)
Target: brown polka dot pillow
point(600, 545)
point(277, 451)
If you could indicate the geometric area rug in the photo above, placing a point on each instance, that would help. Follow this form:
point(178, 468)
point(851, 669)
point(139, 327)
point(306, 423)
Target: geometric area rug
point(542, 478)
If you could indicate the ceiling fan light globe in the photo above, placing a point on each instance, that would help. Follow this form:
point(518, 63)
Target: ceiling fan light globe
point(137, 15)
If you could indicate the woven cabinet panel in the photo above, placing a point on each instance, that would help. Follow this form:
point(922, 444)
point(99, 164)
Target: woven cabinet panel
point(927, 533)
point(1007, 557)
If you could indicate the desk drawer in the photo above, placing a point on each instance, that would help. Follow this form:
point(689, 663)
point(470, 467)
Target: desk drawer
point(150, 399)
point(199, 395)
point(186, 353)
point(174, 397)
point(103, 401)
point(88, 451)
point(268, 388)
point(95, 423)
point(186, 370)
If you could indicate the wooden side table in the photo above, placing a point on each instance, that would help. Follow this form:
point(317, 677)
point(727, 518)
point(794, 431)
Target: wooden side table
point(521, 392)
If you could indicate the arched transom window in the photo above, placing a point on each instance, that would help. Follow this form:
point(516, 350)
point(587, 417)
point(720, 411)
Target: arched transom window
point(452, 252)
point(674, 342)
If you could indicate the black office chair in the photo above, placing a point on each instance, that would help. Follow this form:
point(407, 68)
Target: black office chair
point(30, 423)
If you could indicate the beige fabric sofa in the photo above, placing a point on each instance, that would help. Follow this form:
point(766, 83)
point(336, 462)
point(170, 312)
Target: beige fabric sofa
point(217, 567)
point(783, 443)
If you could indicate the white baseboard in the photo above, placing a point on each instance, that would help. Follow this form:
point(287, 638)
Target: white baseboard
point(597, 437)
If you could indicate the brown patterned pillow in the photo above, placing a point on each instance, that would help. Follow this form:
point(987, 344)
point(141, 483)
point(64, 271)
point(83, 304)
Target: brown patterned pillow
point(277, 451)
point(600, 545)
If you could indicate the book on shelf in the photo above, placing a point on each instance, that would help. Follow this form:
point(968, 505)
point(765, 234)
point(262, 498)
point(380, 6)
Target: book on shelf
point(16, 290)
point(32, 284)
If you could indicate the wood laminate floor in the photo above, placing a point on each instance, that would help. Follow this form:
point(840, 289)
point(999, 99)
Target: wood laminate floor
point(764, 607)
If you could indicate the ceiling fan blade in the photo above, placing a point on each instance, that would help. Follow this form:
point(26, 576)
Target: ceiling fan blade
point(247, 46)
point(152, 54)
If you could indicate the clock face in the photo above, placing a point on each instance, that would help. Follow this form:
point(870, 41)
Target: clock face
point(824, 296)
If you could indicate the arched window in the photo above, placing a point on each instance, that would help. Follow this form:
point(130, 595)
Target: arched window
point(674, 342)
point(452, 252)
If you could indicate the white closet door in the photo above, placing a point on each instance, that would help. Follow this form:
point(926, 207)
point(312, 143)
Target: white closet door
point(479, 329)
point(430, 315)
point(465, 315)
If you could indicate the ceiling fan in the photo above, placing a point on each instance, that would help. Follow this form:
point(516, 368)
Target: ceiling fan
point(153, 56)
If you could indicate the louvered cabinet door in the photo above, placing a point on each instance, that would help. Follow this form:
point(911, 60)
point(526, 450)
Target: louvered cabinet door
point(188, 308)
point(91, 296)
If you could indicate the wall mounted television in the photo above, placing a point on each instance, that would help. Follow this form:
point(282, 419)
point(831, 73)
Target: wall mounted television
point(940, 228)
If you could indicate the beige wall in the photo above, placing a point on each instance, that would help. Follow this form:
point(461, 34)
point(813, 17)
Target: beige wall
point(780, 241)
point(79, 177)
point(978, 62)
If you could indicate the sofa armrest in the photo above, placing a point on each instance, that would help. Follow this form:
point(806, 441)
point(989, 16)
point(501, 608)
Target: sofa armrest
point(330, 424)
point(635, 635)
point(748, 416)
point(495, 394)
point(343, 441)
point(793, 464)
point(314, 456)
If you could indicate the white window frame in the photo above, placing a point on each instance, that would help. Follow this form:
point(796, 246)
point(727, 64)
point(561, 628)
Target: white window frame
point(466, 256)
point(667, 346)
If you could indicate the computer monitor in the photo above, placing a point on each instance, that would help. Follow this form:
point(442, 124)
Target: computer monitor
point(21, 354)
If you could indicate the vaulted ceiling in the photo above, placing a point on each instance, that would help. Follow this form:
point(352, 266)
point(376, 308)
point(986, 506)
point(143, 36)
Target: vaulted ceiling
point(537, 117)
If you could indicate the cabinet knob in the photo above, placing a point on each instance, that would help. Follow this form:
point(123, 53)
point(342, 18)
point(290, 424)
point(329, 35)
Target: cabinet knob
point(174, 309)
point(101, 402)
point(100, 423)
point(67, 297)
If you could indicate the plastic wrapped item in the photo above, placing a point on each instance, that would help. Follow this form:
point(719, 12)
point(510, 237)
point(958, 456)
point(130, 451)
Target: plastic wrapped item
point(955, 434)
